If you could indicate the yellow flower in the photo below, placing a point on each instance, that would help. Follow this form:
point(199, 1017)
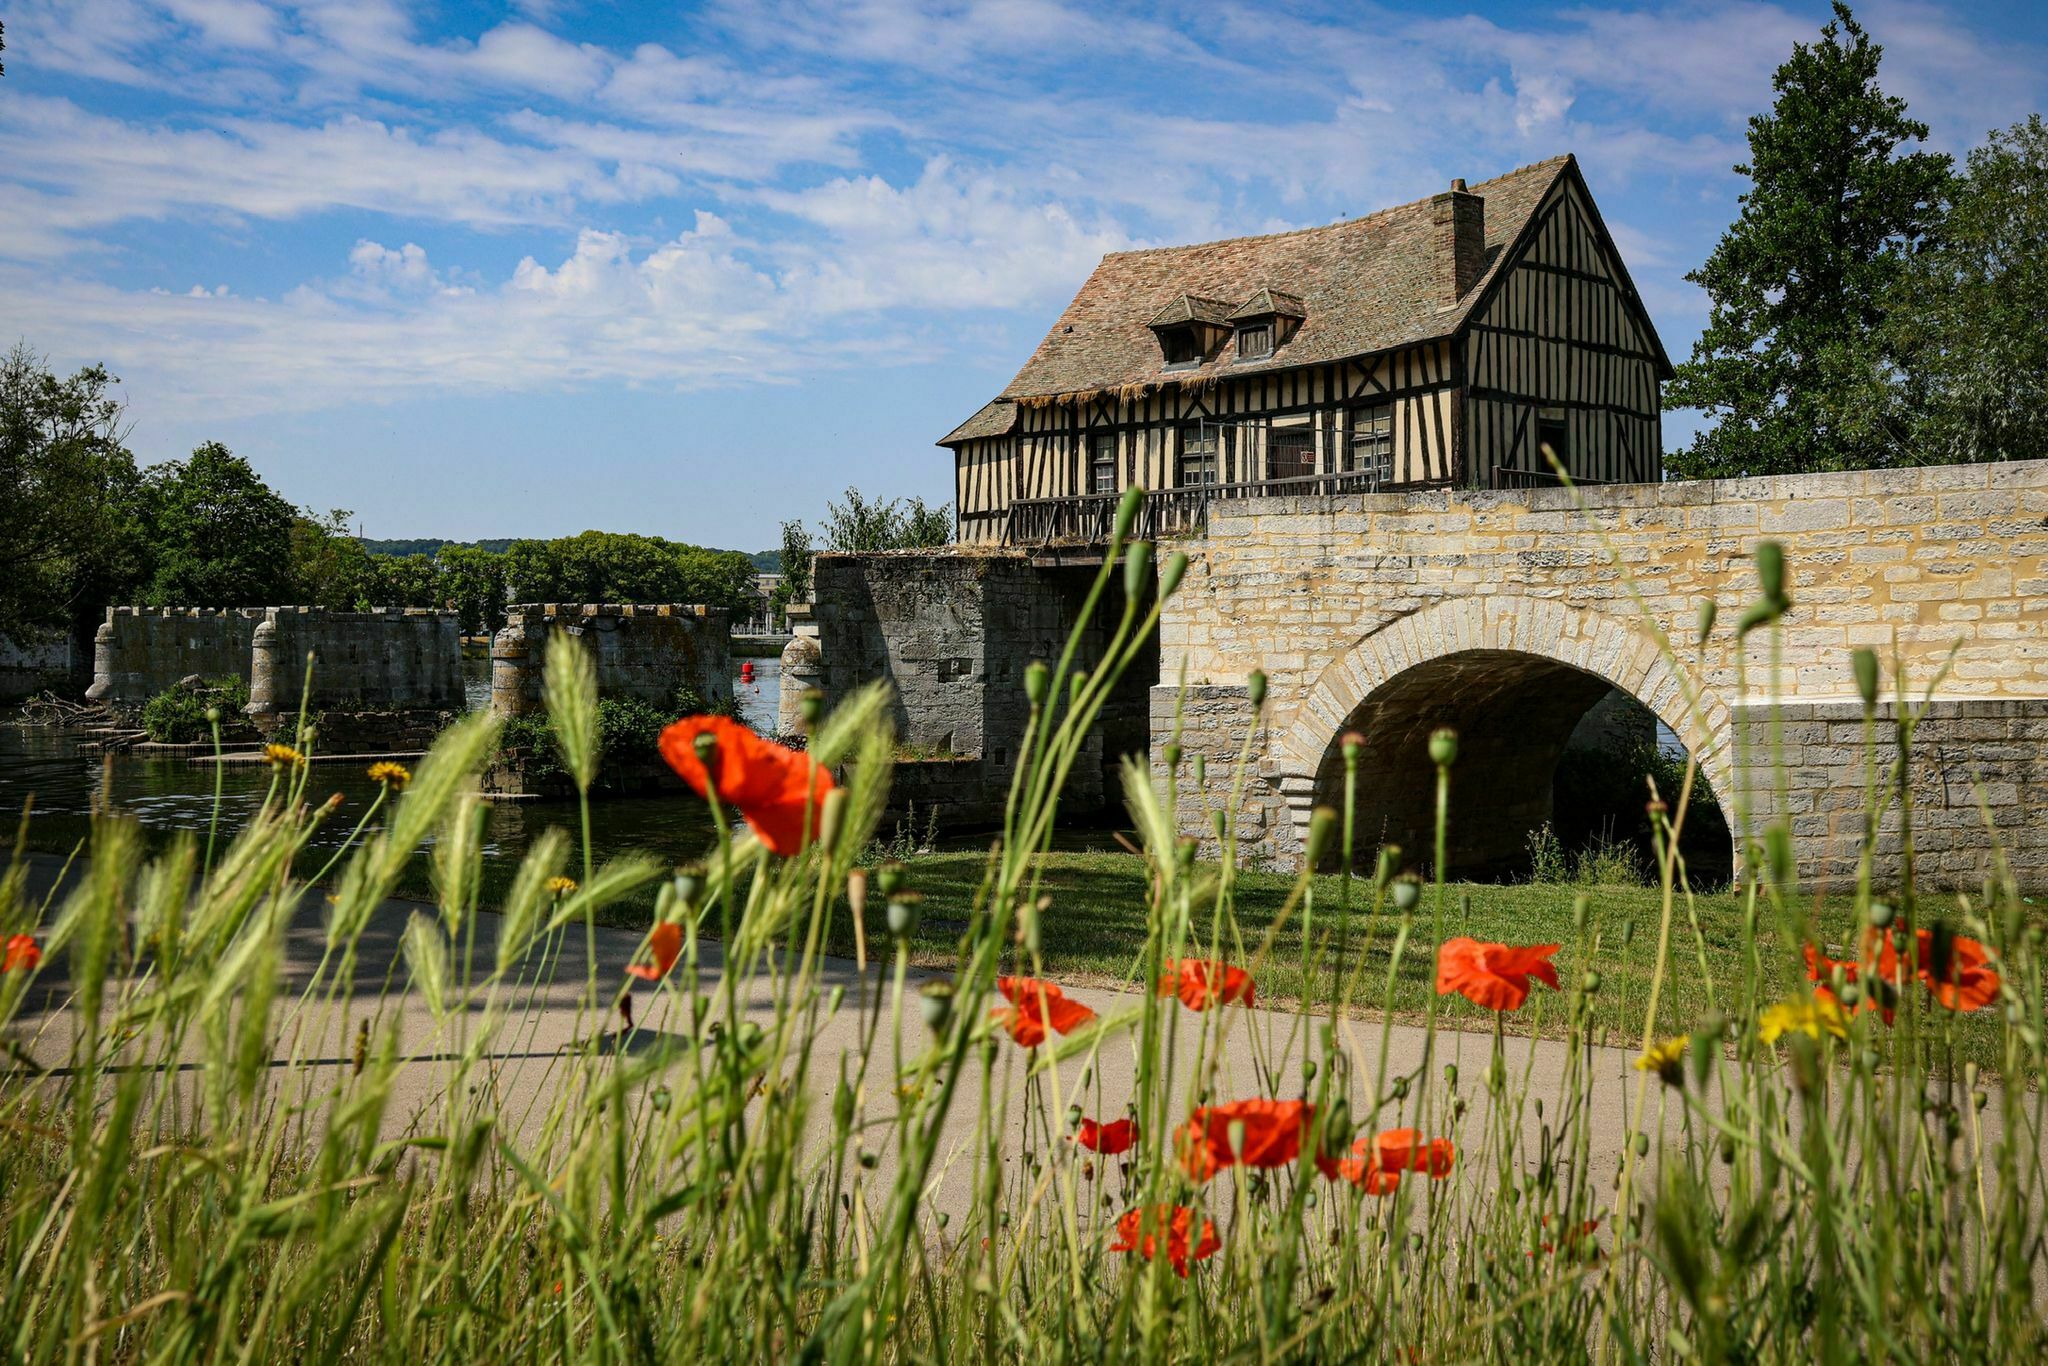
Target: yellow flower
point(1809, 1017)
point(282, 756)
point(1666, 1059)
point(393, 776)
point(561, 886)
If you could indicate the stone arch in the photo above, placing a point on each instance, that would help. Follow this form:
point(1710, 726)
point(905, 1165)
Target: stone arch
point(1514, 674)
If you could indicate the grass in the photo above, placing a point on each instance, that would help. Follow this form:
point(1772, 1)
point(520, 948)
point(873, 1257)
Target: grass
point(184, 1180)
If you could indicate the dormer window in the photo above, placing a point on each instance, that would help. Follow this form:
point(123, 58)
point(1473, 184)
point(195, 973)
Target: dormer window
point(1180, 346)
point(1265, 322)
point(1190, 328)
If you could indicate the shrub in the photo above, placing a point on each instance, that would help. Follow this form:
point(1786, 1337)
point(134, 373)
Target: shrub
point(177, 715)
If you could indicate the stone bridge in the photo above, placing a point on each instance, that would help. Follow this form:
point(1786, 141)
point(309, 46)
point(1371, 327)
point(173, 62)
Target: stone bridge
point(1509, 614)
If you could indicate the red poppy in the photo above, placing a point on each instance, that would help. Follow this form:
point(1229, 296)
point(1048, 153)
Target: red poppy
point(1377, 1163)
point(1203, 984)
point(770, 785)
point(1035, 1006)
point(1820, 970)
point(1586, 1230)
point(1493, 975)
point(1178, 1221)
point(1273, 1131)
point(1109, 1139)
point(665, 942)
point(1966, 982)
point(22, 953)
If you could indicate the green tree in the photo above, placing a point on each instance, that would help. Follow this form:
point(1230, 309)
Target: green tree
point(797, 551)
point(71, 537)
point(1793, 370)
point(473, 581)
point(1968, 317)
point(330, 567)
point(860, 524)
point(222, 537)
point(610, 566)
point(717, 578)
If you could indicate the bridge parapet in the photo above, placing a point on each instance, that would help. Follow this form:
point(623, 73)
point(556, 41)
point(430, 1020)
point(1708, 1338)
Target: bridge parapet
point(1478, 598)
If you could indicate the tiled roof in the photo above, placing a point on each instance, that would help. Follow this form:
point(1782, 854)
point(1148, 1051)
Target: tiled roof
point(991, 419)
point(1191, 308)
point(1268, 303)
point(1362, 285)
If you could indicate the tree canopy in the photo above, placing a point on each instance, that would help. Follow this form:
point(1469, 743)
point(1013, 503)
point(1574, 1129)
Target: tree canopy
point(221, 537)
point(1795, 366)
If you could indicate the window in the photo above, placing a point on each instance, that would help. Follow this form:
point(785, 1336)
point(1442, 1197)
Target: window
point(1371, 450)
point(1198, 455)
point(1102, 462)
point(1254, 340)
point(1290, 452)
point(1551, 431)
point(1181, 346)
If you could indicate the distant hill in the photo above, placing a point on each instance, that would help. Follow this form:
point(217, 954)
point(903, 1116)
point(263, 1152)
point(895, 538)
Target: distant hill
point(765, 561)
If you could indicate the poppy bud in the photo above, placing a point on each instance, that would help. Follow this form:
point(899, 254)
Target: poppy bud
point(1176, 569)
point(1222, 824)
point(1580, 905)
point(1322, 822)
point(1705, 617)
point(1590, 983)
point(1137, 562)
point(1727, 1151)
point(706, 745)
point(889, 878)
point(1450, 1074)
point(1400, 1088)
point(1201, 769)
point(903, 913)
point(935, 1003)
point(842, 1108)
point(1443, 747)
point(1407, 892)
point(1641, 1143)
point(1308, 1070)
point(1037, 678)
point(1353, 745)
point(212, 715)
point(867, 1161)
point(689, 884)
point(1171, 754)
point(1863, 662)
point(1127, 510)
point(1185, 851)
point(811, 706)
point(1880, 915)
point(1778, 849)
point(1770, 569)
point(1390, 860)
point(1255, 687)
point(1073, 1118)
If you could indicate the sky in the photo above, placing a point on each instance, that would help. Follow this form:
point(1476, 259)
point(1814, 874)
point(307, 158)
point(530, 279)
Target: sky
point(527, 267)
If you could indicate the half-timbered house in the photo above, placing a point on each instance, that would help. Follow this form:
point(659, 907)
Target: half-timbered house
point(1457, 340)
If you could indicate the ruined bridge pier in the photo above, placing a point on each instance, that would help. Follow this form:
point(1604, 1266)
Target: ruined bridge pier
point(1506, 614)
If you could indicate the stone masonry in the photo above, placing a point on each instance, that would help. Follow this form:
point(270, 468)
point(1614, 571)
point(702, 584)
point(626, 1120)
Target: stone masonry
point(140, 651)
point(1501, 612)
point(952, 632)
point(385, 660)
point(647, 651)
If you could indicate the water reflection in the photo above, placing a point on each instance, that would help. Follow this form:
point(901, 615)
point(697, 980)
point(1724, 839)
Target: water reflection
point(171, 794)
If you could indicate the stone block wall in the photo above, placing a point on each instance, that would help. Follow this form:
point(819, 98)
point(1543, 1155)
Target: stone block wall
point(1336, 597)
point(34, 658)
point(644, 651)
point(952, 632)
point(1963, 753)
point(140, 651)
point(392, 659)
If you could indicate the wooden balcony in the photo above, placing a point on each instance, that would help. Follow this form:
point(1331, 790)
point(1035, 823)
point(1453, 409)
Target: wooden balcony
point(1083, 523)
point(1086, 521)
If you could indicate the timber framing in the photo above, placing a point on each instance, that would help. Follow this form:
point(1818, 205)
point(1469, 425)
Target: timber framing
point(1549, 346)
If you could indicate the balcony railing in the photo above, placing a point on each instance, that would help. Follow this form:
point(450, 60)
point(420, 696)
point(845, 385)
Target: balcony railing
point(1505, 478)
point(1089, 518)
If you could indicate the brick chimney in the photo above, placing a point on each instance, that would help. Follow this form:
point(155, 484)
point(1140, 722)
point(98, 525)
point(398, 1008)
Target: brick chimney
point(1458, 235)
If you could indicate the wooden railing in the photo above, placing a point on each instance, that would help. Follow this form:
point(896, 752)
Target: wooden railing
point(1089, 518)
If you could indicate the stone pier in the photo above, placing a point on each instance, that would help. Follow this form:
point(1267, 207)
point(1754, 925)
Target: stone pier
point(650, 652)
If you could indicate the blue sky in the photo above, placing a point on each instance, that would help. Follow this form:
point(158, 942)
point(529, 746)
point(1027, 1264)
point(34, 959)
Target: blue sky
point(523, 267)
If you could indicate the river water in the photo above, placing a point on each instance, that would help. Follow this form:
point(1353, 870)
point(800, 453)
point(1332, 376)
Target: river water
point(167, 794)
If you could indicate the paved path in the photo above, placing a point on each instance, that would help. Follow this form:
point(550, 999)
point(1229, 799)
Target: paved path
point(1262, 1044)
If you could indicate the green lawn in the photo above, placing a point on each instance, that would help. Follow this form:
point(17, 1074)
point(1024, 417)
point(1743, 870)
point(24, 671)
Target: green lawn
point(1094, 931)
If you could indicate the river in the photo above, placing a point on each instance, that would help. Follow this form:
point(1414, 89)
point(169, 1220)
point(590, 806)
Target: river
point(167, 794)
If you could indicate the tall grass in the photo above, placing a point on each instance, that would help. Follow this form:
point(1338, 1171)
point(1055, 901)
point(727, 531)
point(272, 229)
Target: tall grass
point(227, 1140)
